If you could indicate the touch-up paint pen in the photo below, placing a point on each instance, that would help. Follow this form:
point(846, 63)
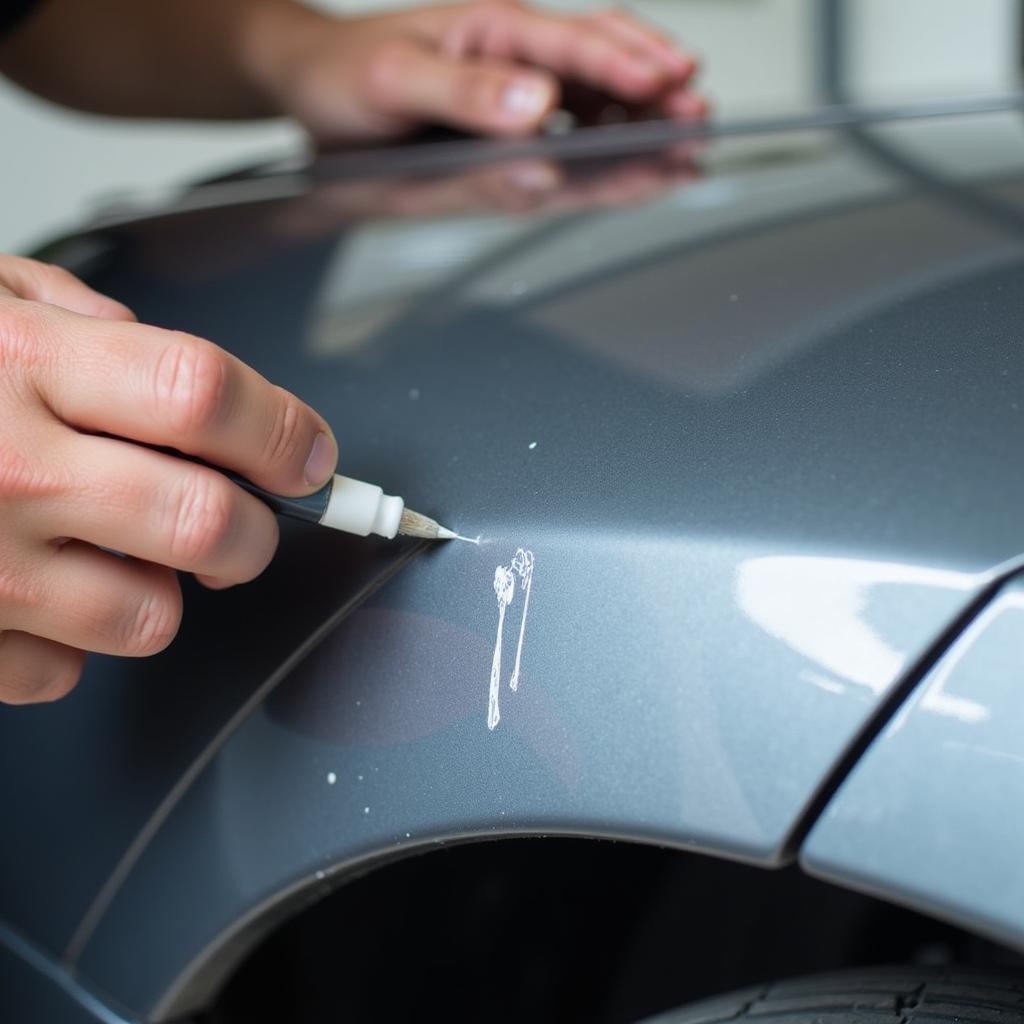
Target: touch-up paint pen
point(353, 507)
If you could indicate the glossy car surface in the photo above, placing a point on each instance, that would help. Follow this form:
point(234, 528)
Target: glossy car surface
point(742, 451)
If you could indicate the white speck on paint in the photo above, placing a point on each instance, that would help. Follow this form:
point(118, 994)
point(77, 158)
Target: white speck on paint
point(734, 297)
point(532, 445)
point(414, 393)
point(321, 875)
point(366, 810)
point(505, 578)
point(408, 835)
point(359, 703)
point(359, 777)
point(331, 778)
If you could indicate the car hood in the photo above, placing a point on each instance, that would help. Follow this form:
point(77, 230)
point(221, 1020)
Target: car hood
point(740, 447)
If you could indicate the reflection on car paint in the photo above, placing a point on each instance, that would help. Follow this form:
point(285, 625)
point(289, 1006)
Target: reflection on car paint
point(819, 607)
point(938, 698)
point(505, 576)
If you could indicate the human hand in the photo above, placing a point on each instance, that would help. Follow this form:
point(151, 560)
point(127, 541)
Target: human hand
point(74, 365)
point(490, 66)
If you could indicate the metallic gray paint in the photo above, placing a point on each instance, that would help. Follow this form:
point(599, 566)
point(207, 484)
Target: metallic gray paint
point(777, 416)
point(34, 989)
point(929, 817)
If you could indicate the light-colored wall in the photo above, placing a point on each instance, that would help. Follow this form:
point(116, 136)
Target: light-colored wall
point(933, 48)
point(758, 54)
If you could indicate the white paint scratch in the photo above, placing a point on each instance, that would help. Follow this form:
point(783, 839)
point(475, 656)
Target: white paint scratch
point(331, 778)
point(505, 578)
point(504, 590)
point(523, 565)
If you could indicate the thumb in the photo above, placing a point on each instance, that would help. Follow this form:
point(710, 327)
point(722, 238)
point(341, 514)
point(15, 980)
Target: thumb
point(490, 96)
point(44, 282)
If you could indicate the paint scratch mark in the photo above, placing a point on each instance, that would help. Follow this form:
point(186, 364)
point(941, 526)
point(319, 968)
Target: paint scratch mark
point(519, 570)
point(504, 590)
point(523, 565)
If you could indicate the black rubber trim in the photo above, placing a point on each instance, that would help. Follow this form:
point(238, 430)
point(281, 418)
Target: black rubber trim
point(882, 713)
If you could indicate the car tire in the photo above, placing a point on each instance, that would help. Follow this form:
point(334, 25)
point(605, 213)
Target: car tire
point(883, 995)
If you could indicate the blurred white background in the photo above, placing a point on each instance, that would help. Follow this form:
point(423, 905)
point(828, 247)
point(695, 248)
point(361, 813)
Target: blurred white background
point(761, 57)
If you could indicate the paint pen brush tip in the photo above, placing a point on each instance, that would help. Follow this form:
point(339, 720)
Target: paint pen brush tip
point(415, 524)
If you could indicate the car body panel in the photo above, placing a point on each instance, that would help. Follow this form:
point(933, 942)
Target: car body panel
point(929, 816)
point(724, 423)
point(84, 775)
point(34, 989)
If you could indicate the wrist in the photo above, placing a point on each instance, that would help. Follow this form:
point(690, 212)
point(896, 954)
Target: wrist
point(273, 38)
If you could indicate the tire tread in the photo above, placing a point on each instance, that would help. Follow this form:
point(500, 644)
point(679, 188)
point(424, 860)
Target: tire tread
point(898, 995)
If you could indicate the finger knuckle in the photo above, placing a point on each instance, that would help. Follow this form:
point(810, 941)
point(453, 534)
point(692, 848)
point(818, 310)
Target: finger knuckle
point(23, 335)
point(20, 588)
point(286, 431)
point(30, 274)
point(23, 478)
point(597, 56)
point(202, 518)
point(51, 273)
point(386, 68)
point(190, 383)
point(152, 624)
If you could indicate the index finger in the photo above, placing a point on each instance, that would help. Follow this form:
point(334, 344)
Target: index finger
point(168, 388)
point(592, 49)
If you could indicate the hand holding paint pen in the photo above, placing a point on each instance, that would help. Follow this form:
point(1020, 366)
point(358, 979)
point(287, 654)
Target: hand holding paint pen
point(345, 504)
point(352, 506)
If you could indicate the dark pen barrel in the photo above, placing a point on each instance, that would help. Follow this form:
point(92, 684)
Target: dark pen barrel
point(311, 508)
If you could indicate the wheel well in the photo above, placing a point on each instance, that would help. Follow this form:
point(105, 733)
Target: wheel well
point(567, 929)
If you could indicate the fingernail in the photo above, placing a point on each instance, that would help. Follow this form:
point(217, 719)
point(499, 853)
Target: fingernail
point(526, 98)
point(323, 457)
